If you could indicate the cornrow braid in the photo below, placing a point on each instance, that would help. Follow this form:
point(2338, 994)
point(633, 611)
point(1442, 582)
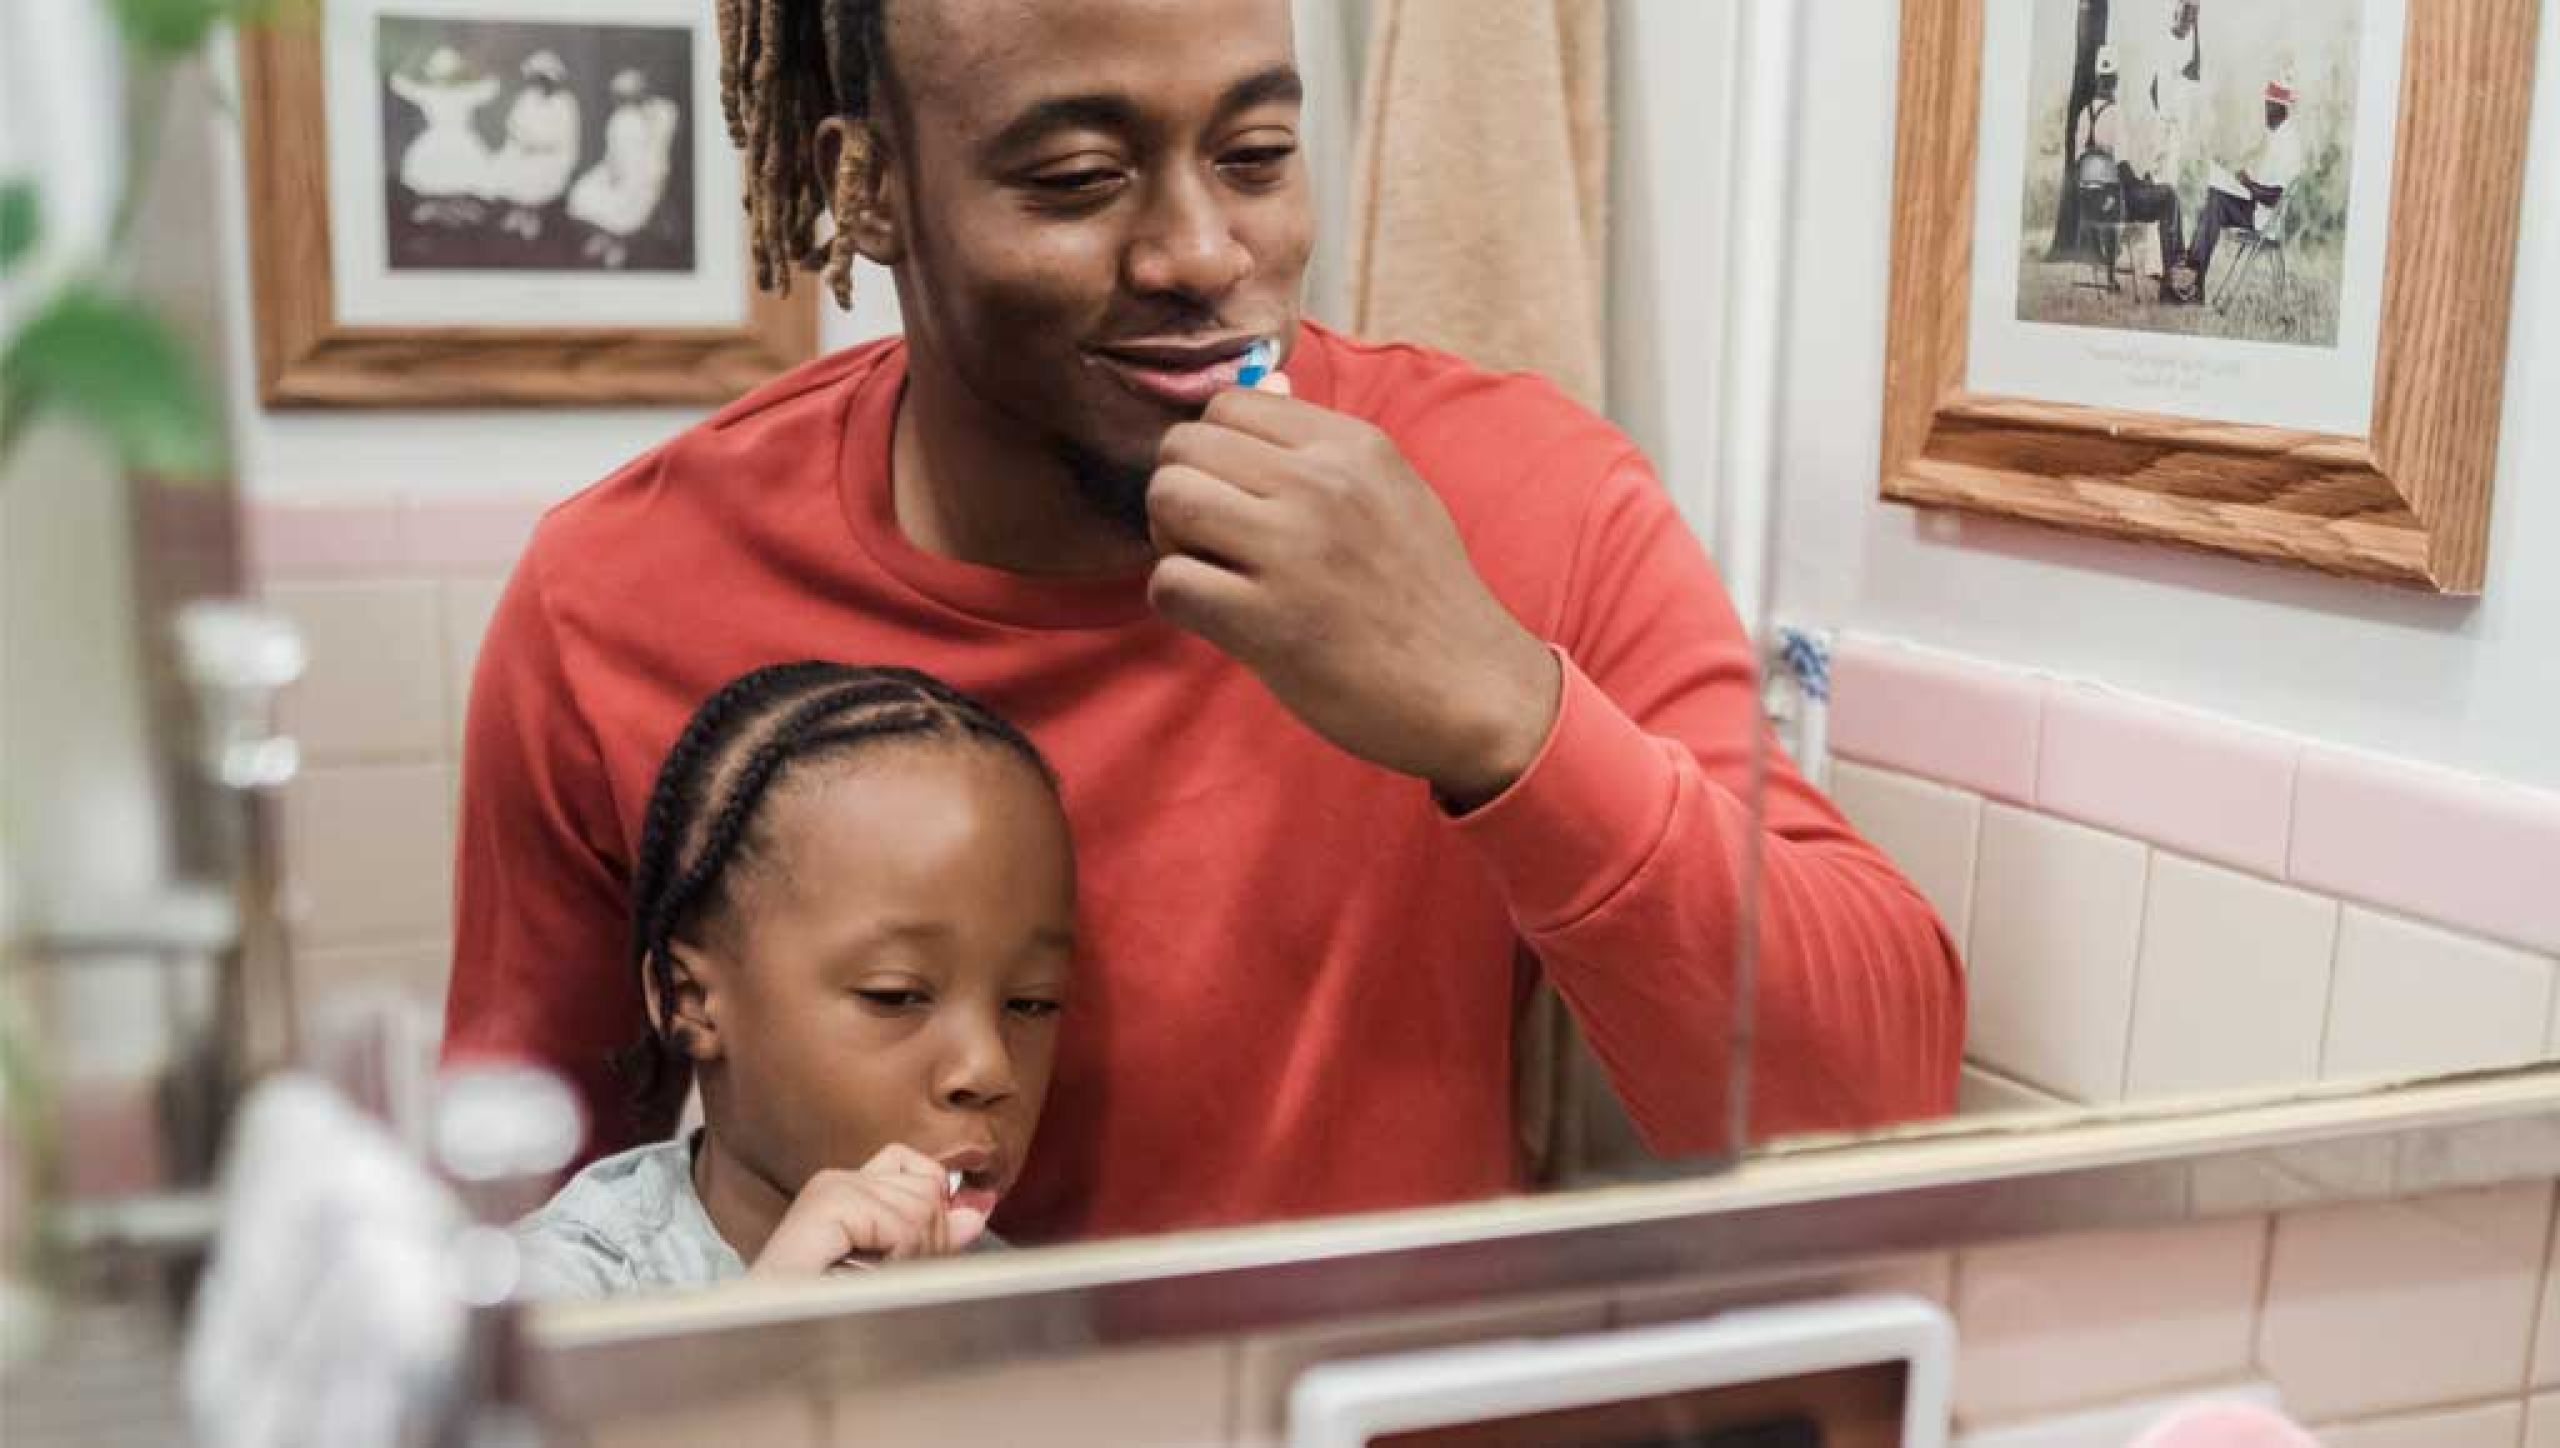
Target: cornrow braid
point(786, 68)
point(738, 746)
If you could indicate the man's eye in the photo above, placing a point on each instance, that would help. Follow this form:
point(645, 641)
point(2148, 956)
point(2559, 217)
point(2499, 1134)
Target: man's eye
point(1258, 162)
point(1076, 184)
point(1033, 1010)
point(893, 1000)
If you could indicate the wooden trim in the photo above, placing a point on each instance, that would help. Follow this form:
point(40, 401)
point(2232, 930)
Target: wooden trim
point(2408, 505)
point(307, 358)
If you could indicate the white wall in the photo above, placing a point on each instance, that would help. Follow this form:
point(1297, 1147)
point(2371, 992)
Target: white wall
point(2473, 685)
point(1669, 163)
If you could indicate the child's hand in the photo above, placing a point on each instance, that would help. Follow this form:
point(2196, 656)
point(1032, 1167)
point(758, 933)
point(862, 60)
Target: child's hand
point(895, 1207)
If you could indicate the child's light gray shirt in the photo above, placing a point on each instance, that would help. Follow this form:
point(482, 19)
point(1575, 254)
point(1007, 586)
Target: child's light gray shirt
point(632, 1223)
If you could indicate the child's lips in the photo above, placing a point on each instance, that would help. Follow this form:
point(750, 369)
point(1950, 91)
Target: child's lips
point(974, 1198)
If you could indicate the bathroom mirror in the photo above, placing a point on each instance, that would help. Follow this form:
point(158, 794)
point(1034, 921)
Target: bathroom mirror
point(2183, 844)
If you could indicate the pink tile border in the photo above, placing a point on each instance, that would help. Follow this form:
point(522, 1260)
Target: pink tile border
point(475, 537)
point(2198, 785)
point(2471, 853)
point(1948, 719)
point(315, 542)
point(293, 542)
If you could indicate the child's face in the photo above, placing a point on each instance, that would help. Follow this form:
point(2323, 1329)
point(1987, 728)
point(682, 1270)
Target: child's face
point(898, 979)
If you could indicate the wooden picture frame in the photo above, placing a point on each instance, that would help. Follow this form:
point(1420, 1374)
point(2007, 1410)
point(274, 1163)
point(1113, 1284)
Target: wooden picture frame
point(309, 357)
point(2408, 502)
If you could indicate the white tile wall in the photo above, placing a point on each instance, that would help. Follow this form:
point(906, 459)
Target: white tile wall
point(2482, 1425)
point(2233, 980)
point(2386, 1307)
point(1929, 829)
point(1270, 1364)
point(466, 605)
point(1929, 1275)
point(2069, 1321)
point(1174, 1397)
point(1981, 1091)
point(2411, 998)
point(772, 1419)
point(375, 683)
point(2542, 1421)
point(2057, 917)
point(2546, 1321)
point(369, 853)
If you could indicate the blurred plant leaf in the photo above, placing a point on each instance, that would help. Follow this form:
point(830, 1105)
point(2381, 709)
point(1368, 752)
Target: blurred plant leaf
point(111, 364)
point(172, 29)
point(21, 221)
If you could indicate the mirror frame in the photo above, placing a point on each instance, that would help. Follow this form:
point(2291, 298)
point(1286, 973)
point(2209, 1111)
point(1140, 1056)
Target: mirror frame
point(1795, 1209)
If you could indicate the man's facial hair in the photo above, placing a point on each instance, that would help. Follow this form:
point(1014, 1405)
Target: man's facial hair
point(1116, 491)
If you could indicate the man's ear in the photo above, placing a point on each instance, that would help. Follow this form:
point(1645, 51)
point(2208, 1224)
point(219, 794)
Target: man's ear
point(693, 1028)
point(873, 197)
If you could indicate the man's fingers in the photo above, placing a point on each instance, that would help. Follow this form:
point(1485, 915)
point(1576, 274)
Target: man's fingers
point(1191, 511)
point(1202, 598)
point(1275, 415)
point(1253, 463)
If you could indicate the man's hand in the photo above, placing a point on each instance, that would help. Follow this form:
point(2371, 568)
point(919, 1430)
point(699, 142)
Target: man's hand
point(1299, 541)
point(894, 1207)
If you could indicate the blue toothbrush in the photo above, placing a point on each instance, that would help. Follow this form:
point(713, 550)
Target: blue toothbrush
point(1257, 363)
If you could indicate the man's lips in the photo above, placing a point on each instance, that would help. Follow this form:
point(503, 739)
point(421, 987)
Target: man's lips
point(1184, 374)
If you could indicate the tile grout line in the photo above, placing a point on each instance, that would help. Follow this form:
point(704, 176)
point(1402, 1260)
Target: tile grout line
point(2533, 1344)
point(2329, 990)
point(2265, 1295)
point(2133, 996)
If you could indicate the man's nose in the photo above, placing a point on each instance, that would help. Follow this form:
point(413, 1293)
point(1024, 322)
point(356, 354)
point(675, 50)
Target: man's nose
point(1186, 244)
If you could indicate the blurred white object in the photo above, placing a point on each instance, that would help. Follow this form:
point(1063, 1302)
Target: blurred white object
point(329, 1314)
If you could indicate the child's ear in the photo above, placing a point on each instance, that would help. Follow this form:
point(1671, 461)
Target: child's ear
point(693, 1027)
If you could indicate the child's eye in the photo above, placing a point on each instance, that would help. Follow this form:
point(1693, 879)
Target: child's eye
point(1033, 1010)
point(893, 1000)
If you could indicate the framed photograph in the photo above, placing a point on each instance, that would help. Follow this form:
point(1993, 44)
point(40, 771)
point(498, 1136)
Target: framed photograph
point(462, 202)
point(2230, 274)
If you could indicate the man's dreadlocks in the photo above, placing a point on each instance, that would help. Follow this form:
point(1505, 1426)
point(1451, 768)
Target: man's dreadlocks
point(786, 68)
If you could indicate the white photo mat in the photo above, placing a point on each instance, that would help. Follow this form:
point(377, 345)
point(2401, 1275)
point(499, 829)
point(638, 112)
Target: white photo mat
point(370, 293)
point(2265, 384)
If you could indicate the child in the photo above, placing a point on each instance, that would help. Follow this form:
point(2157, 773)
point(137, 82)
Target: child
point(852, 914)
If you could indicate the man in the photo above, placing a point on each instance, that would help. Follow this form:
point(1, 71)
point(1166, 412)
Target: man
point(1373, 697)
point(2250, 197)
point(2165, 111)
point(2101, 152)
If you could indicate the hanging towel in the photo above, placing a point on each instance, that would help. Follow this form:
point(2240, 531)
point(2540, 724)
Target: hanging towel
point(1480, 184)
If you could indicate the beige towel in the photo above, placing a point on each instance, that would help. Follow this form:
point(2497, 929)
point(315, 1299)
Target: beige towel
point(1481, 181)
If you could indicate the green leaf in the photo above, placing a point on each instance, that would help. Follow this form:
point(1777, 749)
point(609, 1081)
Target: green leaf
point(170, 28)
point(117, 368)
point(21, 220)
